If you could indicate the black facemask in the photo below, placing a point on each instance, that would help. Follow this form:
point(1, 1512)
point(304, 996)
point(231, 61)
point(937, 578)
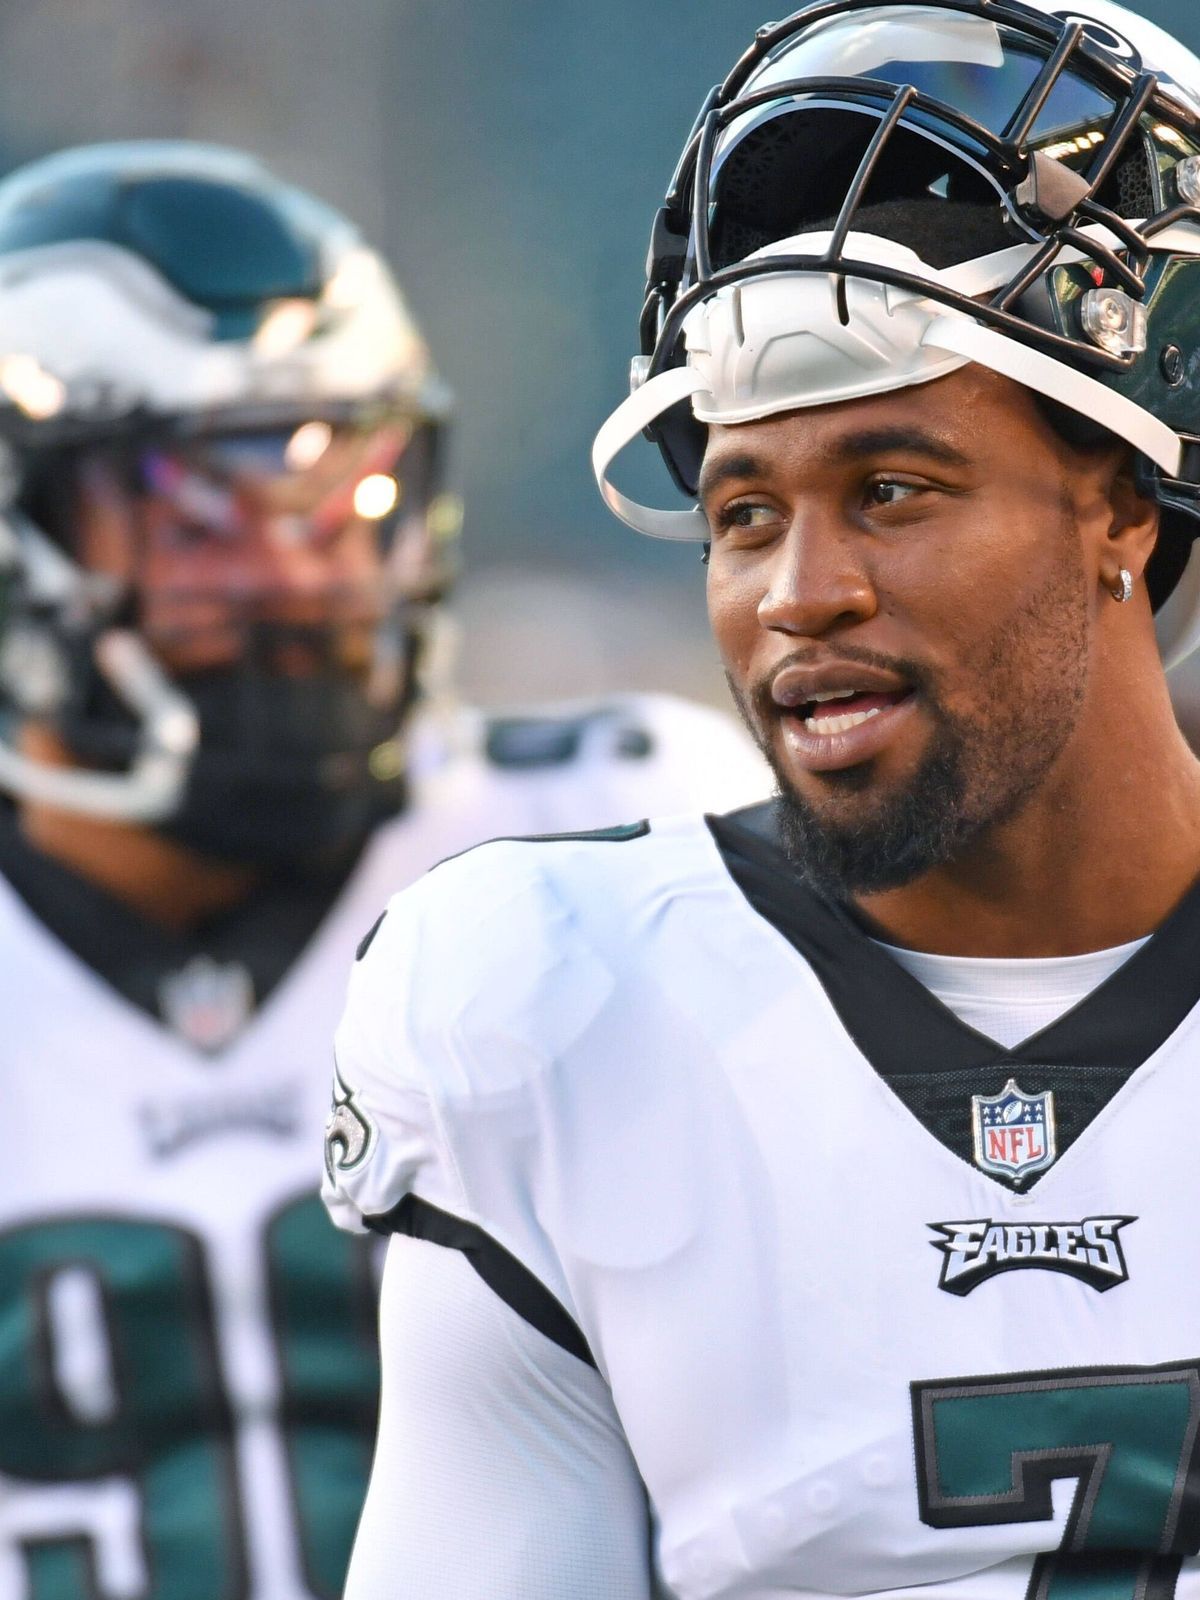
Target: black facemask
point(289, 769)
point(284, 771)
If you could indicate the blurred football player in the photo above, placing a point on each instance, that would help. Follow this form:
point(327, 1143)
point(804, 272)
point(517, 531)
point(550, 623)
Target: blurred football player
point(223, 539)
point(813, 1188)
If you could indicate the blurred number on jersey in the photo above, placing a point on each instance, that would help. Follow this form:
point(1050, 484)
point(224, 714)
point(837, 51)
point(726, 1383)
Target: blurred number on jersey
point(116, 1430)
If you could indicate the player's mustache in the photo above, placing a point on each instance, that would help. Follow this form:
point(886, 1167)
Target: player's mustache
point(914, 673)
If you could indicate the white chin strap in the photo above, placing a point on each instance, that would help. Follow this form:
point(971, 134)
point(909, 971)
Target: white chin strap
point(168, 729)
point(152, 786)
point(783, 342)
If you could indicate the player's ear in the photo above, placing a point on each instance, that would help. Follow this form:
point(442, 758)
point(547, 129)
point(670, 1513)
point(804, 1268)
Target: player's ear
point(1133, 520)
point(1116, 520)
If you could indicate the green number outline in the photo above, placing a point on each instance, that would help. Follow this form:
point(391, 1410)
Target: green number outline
point(960, 1418)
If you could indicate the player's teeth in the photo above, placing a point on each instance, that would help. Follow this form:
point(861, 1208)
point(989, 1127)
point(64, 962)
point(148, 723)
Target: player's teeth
point(842, 724)
point(834, 694)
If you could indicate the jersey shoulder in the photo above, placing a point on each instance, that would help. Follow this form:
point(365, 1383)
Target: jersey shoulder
point(475, 981)
point(498, 918)
point(658, 751)
point(526, 915)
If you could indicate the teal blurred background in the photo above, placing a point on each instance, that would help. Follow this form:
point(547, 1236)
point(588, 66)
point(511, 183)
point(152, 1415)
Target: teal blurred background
point(508, 157)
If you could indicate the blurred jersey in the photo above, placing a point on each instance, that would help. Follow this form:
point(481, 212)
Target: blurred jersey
point(187, 1350)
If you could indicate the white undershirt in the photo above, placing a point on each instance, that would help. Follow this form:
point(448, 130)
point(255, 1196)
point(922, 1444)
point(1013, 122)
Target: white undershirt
point(1009, 999)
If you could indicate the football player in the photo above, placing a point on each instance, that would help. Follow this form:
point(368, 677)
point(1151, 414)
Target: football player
point(223, 541)
point(813, 1189)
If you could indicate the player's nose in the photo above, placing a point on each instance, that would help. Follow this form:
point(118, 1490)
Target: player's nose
point(817, 580)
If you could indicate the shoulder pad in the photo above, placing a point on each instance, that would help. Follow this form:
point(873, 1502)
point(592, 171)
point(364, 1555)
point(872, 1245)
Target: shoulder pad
point(618, 833)
point(523, 743)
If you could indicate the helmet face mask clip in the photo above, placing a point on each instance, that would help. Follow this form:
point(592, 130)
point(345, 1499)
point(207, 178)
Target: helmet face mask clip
point(1059, 145)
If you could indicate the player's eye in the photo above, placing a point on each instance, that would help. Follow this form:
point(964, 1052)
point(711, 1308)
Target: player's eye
point(744, 517)
point(891, 491)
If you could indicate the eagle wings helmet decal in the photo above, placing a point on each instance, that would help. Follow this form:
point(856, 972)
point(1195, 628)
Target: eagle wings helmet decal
point(348, 1131)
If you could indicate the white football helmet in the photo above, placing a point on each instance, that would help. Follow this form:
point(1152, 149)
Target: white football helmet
point(215, 363)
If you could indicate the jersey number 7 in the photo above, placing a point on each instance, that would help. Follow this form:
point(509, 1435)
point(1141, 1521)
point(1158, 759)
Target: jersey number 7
point(988, 1451)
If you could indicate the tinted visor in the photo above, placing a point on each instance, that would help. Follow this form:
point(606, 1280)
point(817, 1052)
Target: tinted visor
point(785, 166)
point(979, 68)
point(304, 485)
point(315, 537)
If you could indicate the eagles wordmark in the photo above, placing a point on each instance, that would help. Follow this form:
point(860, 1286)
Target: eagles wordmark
point(1089, 1250)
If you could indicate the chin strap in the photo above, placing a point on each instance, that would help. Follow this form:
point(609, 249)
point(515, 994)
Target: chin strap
point(952, 334)
point(778, 343)
point(1051, 378)
point(168, 729)
point(627, 421)
point(150, 789)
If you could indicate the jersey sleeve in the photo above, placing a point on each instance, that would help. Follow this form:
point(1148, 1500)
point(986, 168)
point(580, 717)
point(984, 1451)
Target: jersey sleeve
point(383, 1140)
point(476, 982)
point(500, 1467)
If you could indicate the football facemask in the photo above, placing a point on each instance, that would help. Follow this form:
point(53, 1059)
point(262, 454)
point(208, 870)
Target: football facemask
point(219, 366)
point(309, 526)
point(1078, 131)
point(275, 584)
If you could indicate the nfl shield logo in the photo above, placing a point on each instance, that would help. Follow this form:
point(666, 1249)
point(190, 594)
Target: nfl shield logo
point(1014, 1131)
point(207, 1002)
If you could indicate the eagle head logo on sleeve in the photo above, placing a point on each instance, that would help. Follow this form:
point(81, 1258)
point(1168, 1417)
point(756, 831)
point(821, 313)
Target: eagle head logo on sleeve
point(347, 1131)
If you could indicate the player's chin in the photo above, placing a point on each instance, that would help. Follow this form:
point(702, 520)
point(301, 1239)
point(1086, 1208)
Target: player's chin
point(877, 747)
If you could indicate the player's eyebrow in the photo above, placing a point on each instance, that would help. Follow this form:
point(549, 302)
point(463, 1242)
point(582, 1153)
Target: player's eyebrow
point(877, 441)
point(740, 466)
point(850, 447)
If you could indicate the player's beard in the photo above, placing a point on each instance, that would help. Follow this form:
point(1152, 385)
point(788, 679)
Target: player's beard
point(980, 767)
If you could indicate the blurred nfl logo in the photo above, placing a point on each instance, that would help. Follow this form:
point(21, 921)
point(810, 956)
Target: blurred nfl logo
point(207, 1003)
point(1014, 1131)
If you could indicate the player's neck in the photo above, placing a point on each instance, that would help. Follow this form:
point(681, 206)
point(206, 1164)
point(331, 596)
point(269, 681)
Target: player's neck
point(1100, 855)
point(159, 879)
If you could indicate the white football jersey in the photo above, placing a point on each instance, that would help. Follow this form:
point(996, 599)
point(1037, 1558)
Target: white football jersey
point(871, 1304)
point(187, 1348)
